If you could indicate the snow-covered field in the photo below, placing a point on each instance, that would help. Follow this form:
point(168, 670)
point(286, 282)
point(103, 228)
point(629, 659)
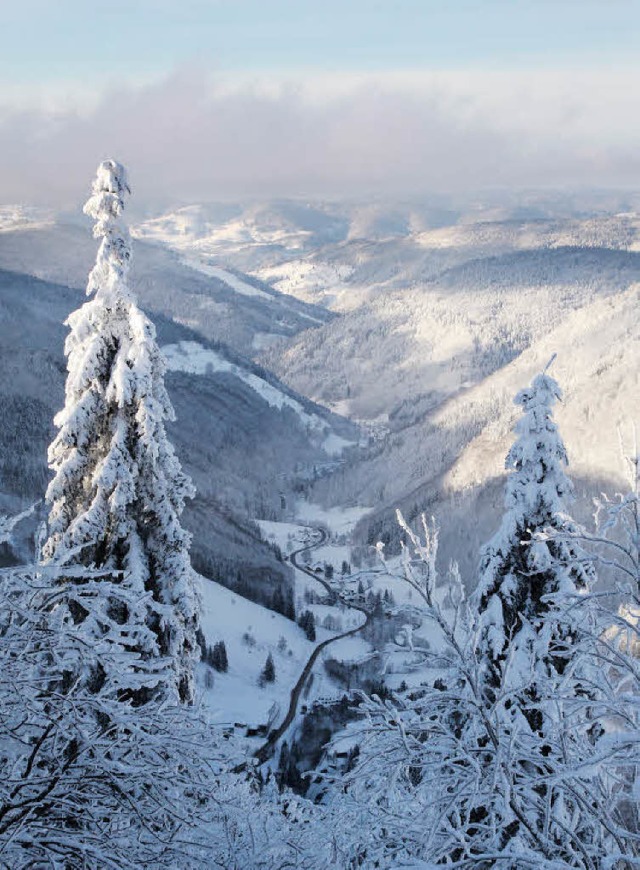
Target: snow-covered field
point(339, 520)
point(250, 633)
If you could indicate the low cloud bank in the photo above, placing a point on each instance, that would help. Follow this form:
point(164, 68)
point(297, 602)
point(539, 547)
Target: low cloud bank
point(192, 139)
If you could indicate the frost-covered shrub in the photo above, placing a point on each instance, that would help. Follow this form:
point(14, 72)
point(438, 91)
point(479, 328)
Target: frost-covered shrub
point(89, 779)
point(447, 776)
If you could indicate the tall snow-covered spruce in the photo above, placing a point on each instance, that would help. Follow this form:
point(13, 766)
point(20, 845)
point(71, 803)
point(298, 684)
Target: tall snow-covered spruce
point(532, 556)
point(119, 491)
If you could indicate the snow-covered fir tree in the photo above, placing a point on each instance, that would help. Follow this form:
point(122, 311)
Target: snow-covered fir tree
point(532, 556)
point(119, 491)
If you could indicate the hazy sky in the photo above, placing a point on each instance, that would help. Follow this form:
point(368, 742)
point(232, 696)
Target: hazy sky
point(223, 98)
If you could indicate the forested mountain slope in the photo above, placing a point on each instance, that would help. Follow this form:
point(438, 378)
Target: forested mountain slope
point(407, 349)
point(432, 357)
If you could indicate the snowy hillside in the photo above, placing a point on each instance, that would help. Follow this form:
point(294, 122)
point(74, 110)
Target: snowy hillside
point(445, 449)
point(451, 463)
point(194, 358)
point(310, 249)
point(405, 350)
point(437, 332)
point(344, 276)
point(251, 231)
point(444, 310)
point(251, 633)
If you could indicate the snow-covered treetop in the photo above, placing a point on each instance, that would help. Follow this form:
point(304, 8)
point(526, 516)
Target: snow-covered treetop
point(538, 457)
point(533, 554)
point(105, 205)
point(112, 183)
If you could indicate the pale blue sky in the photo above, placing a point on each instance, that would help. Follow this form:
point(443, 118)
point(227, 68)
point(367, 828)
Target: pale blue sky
point(45, 40)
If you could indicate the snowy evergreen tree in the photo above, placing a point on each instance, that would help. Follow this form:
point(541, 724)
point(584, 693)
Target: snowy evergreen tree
point(118, 491)
point(532, 555)
point(307, 623)
point(219, 659)
point(449, 777)
point(268, 674)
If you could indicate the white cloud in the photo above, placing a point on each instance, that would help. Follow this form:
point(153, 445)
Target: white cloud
point(190, 137)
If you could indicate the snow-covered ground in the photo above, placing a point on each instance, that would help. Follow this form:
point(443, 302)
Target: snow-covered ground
point(236, 695)
point(339, 520)
point(250, 633)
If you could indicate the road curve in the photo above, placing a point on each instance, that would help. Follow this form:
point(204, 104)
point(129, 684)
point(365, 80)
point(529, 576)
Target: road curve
point(267, 749)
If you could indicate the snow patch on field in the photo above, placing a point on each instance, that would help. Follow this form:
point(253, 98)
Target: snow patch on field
point(232, 281)
point(310, 281)
point(189, 356)
point(264, 340)
point(335, 445)
point(339, 520)
point(351, 648)
point(288, 536)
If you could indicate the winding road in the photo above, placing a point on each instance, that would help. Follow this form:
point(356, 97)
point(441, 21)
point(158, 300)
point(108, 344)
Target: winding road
point(267, 749)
